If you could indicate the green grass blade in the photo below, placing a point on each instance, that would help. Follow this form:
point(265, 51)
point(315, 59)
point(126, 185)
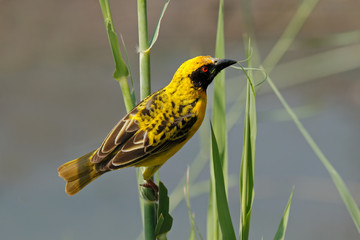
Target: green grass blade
point(222, 207)
point(194, 228)
point(246, 176)
point(247, 17)
point(192, 235)
point(121, 71)
point(248, 158)
point(280, 233)
point(165, 220)
point(120, 67)
point(219, 105)
point(333, 40)
point(219, 121)
point(288, 36)
point(317, 66)
point(236, 110)
point(213, 230)
point(196, 167)
point(132, 91)
point(339, 183)
point(157, 28)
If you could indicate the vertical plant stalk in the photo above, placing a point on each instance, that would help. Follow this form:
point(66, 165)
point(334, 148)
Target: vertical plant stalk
point(144, 56)
point(219, 123)
point(248, 157)
point(148, 206)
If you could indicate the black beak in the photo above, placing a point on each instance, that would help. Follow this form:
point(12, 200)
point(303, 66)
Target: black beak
point(220, 64)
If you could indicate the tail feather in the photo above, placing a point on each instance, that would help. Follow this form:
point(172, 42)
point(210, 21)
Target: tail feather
point(78, 173)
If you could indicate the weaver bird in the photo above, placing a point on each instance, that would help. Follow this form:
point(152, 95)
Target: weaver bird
point(154, 130)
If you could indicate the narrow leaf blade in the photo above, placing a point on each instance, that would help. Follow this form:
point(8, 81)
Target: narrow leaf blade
point(222, 206)
point(280, 233)
point(344, 192)
point(248, 155)
point(165, 220)
point(157, 28)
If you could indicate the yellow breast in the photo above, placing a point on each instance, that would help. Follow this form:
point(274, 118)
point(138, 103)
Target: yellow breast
point(158, 159)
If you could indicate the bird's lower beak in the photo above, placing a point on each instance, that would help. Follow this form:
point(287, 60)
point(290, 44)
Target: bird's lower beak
point(220, 64)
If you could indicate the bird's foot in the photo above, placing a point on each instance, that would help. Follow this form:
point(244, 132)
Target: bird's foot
point(150, 184)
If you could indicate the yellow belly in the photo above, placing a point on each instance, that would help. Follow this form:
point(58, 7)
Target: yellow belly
point(153, 162)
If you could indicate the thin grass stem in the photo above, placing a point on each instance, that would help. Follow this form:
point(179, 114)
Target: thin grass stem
point(339, 183)
point(248, 156)
point(288, 36)
point(144, 56)
point(149, 207)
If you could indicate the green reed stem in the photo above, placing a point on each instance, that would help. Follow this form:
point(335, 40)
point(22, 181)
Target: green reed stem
point(144, 56)
point(149, 207)
point(248, 156)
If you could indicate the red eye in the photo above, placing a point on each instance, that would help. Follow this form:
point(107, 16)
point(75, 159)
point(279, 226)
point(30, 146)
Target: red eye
point(204, 69)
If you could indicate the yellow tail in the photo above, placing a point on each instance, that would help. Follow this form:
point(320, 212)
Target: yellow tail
point(78, 173)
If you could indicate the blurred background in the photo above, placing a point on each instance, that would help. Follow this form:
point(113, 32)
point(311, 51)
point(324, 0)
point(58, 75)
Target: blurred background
point(58, 101)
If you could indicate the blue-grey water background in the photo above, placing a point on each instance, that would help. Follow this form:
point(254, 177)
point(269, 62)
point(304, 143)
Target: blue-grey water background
point(58, 101)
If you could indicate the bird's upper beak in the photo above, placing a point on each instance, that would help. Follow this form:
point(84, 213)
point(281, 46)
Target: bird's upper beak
point(220, 64)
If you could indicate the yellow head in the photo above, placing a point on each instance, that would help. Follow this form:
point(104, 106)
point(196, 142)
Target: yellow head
point(200, 71)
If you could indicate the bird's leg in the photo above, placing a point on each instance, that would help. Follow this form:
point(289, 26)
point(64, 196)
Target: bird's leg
point(150, 184)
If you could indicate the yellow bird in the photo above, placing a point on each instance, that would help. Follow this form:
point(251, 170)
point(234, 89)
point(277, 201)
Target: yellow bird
point(154, 130)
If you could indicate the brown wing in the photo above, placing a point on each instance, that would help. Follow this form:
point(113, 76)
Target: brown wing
point(137, 148)
point(126, 128)
point(123, 131)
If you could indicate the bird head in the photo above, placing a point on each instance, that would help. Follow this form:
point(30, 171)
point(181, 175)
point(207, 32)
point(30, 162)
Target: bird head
point(202, 70)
